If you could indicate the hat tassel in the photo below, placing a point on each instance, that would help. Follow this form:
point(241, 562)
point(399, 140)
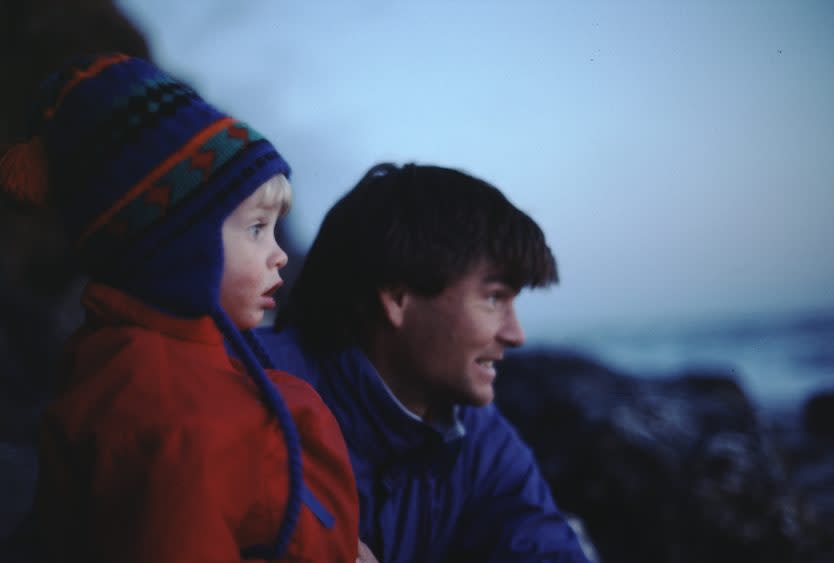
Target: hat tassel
point(23, 173)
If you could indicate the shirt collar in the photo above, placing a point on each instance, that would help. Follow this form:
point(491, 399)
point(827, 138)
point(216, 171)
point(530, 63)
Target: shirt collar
point(449, 426)
point(374, 421)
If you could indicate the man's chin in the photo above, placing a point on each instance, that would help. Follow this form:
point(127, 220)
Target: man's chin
point(481, 397)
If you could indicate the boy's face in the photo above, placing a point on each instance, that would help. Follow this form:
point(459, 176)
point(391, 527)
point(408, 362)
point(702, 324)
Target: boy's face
point(452, 340)
point(251, 255)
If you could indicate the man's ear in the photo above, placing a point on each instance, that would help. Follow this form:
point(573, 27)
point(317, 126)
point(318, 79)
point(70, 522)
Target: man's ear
point(393, 301)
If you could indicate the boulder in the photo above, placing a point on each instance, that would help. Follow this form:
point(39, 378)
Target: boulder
point(818, 415)
point(660, 469)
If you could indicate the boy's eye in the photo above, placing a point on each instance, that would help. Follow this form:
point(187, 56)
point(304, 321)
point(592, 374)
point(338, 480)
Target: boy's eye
point(256, 229)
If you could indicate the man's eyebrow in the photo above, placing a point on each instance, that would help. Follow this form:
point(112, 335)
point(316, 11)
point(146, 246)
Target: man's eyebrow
point(507, 281)
point(497, 277)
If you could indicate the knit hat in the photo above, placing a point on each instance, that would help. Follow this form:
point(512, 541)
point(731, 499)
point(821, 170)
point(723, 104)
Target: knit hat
point(144, 172)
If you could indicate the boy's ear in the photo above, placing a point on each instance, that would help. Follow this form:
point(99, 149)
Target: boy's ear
point(393, 301)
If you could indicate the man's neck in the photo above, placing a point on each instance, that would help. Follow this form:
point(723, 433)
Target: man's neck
point(439, 416)
point(396, 377)
point(404, 393)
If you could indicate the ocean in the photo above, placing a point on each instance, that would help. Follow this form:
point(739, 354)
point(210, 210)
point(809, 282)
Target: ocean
point(780, 360)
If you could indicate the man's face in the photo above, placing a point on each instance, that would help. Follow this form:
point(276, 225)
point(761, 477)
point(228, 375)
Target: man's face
point(454, 339)
point(252, 257)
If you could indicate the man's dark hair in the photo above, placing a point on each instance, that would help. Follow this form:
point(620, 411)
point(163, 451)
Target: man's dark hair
point(420, 227)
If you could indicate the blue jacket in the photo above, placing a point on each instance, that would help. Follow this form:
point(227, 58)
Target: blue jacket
point(468, 492)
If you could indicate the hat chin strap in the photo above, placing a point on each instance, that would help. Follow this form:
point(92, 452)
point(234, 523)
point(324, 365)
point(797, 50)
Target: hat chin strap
point(255, 358)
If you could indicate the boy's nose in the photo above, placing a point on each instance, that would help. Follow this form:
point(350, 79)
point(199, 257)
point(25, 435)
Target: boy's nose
point(278, 258)
point(511, 334)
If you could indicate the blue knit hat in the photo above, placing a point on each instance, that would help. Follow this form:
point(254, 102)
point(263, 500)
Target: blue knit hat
point(145, 172)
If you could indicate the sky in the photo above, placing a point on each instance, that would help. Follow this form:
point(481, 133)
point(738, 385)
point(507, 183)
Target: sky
point(679, 156)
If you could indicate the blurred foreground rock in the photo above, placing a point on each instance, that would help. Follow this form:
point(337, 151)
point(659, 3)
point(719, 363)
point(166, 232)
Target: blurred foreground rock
point(668, 470)
point(39, 283)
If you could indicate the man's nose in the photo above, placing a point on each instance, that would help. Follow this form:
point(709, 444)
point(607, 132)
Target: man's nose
point(511, 333)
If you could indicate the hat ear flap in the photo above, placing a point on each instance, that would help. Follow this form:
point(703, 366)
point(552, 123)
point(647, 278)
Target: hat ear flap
point(23, 172)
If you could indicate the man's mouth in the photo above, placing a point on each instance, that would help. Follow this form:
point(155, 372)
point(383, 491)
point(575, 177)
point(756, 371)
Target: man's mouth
point(488, 365)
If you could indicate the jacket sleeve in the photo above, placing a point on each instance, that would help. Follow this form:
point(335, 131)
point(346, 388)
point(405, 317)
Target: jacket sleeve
point(148, 498)
point(510, 514)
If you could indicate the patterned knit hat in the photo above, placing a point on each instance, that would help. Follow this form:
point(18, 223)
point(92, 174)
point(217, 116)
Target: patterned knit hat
point(144, 173)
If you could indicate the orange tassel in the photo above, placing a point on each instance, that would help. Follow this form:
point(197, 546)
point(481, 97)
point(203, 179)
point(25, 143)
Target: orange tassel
point(23, 172)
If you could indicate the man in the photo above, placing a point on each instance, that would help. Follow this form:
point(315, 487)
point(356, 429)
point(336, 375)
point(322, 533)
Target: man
point(403, 307)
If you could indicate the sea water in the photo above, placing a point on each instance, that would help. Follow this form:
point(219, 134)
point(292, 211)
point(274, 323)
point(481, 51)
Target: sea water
point(780, 360)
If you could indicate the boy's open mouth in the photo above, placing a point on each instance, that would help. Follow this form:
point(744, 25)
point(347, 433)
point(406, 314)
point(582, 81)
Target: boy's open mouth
point(273, 289)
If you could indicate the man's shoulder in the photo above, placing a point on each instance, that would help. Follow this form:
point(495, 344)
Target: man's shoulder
point(287, 354)
point(491, 441)
point(482, 422)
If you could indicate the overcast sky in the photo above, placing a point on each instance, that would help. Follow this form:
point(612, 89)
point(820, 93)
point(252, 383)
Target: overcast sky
point(678, 155)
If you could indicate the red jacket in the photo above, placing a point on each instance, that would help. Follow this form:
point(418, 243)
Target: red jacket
point(161, 450)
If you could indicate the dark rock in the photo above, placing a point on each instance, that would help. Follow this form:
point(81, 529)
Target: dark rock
point(818, 415)
point(809, 462)
point(664, 469)
point(38, 36)
point(39, 283)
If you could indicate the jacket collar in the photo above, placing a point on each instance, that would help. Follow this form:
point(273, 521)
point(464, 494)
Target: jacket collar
point(107, 305)
point(377, 425)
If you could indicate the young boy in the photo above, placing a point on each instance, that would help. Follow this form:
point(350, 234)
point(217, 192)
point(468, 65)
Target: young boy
point(160, 447)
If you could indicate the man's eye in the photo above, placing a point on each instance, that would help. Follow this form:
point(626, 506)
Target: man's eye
point(492, 300)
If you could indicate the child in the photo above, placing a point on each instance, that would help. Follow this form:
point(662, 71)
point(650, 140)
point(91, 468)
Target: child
point(160, 447)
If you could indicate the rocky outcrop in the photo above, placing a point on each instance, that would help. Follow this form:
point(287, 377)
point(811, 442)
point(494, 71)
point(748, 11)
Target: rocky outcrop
point(670, 470)
point(38, 278)
point(39, 283)
point(818, 415)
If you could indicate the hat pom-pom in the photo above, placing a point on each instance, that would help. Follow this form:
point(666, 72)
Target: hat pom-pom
point(23, 172)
